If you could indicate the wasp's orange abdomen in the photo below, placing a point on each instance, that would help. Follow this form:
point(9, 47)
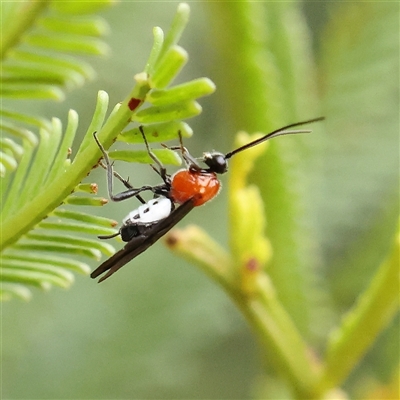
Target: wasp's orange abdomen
point(200, 186)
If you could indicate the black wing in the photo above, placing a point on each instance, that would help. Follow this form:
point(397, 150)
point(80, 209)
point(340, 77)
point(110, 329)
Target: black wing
point(141, 243)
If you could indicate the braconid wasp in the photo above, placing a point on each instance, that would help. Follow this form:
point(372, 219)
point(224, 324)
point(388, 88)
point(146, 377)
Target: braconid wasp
point(175, 197)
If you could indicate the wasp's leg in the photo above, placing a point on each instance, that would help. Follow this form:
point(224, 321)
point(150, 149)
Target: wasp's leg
point(125, 182)
point(162, 170)
point(109, 236)
point(131, 192)
point(187, 157)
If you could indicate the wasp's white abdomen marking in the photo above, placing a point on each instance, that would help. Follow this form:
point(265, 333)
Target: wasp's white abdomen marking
point(153, 211)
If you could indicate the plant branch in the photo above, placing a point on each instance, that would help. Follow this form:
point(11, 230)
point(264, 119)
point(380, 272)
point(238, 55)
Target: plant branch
point(363, 323)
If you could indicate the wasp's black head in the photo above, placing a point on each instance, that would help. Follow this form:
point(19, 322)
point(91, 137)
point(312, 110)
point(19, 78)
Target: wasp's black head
point(216, 162)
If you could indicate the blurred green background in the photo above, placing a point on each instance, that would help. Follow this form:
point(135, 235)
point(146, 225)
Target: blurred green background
point(162, 330)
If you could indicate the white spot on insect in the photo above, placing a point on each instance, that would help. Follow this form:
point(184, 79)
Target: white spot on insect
point(153, 211)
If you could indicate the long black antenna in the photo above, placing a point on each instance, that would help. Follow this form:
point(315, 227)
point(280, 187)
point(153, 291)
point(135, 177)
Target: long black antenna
point(278, 132)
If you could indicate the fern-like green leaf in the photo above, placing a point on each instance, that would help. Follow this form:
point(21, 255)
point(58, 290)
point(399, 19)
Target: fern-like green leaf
point(38, 39)
point(31, 247)
point(43, 236)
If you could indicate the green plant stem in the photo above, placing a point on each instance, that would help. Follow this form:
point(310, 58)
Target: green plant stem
point(280, 338)
point(258, 102)
point(360, 327)
point(279, 335)
point(51, 196)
